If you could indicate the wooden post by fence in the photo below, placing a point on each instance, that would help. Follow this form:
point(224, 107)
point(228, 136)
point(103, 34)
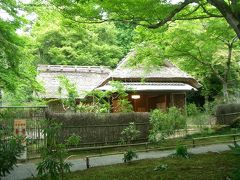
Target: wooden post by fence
point(87, 162)
point(193, 141)
point(234, 140)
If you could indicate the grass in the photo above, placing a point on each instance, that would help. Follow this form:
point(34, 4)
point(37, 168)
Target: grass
point(204, 166)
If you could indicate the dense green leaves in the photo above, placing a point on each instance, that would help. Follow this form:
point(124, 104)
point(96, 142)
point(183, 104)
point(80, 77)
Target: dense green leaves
point(10, 149)
point(164, 124)
point(66, 42)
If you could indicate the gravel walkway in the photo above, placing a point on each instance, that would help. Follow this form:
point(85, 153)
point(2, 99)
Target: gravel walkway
point(23, 171)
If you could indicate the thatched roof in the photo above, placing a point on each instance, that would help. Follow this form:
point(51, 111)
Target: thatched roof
point(168, 72)
point(86, 78)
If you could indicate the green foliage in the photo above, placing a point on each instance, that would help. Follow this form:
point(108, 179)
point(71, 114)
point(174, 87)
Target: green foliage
point(192, 110)
point(181, 151)
point(72, 94)
point(236, 150)
point(161, 167)
point(121, 95)
point(118, 91)
point(67, 42)
point(148, 55)
point(129, 155)
point(125, 106)
point(10, 149)
point(53, 164)
point(100, 101)
point(82, 107)
point(130, 133)
point(164, 124)
point(73, 140)
point(53, 154)
point(17, 72)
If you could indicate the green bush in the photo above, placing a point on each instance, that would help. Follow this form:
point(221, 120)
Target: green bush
point(73, 140)
point(53, 154)
point(164, 124)
point(181, 151)
point(129, 155)
point(192, 110)
point(130, 133)
point(10, 149)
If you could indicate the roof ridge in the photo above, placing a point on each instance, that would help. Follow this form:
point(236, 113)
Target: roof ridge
point(125, 58)
point(72, 68)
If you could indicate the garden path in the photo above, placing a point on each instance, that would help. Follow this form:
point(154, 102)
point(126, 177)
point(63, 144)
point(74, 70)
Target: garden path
point(27, 170)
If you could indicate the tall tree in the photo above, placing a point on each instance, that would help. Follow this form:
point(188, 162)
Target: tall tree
point(151, 13)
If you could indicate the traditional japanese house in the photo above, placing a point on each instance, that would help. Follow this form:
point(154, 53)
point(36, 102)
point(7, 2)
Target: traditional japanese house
point(157, 87)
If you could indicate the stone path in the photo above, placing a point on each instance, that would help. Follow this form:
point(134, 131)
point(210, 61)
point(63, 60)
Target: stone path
point(26, 170)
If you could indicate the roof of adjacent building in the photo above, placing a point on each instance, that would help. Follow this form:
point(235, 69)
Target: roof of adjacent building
point(86, 78)
point(168, 72)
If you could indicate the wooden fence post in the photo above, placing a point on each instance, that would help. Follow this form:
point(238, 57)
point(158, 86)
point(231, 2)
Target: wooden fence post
point(146, 146)
point(87, 162)
point(234, 140)
point(193, 142)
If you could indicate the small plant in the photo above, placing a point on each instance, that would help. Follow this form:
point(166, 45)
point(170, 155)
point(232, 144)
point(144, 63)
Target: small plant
point(130, 133)
point(129, 155)
point(53, 154)
point(10, 149)
point(181, 151)
point(161, 167)
point(53, 164)
point(73, 140)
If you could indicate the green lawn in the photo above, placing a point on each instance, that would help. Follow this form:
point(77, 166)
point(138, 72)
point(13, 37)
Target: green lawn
point(204, 166)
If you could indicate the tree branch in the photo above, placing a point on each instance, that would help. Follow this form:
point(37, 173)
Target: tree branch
point(172, 14)
point(228, 14)
point(207, 12)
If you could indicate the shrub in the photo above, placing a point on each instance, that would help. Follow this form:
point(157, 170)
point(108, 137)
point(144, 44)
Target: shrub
point(53, 154)
point(73, 140)
point(181, 151)
point(125, 106)
point(164, 124)
point(192, 110)
point(129, 155)
point(130, 133)
point(53, 164)
point(10, 149)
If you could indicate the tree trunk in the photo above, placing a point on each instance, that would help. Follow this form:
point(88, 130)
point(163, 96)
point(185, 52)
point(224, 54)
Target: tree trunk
point(232, 18)
point(225, 92)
